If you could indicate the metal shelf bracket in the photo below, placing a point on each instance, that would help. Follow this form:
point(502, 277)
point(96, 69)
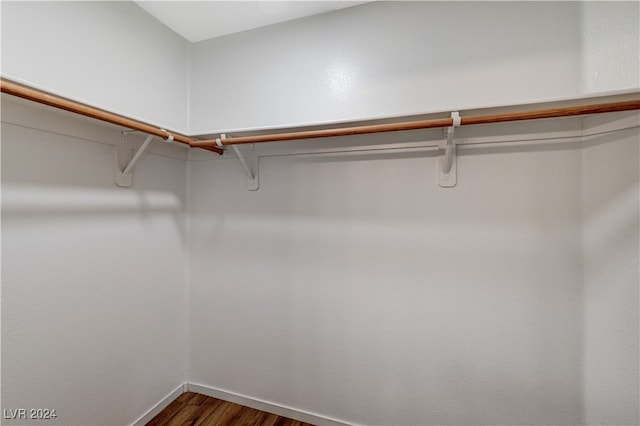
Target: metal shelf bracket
point(447, 158)
point(123, 176)
point(250, 165)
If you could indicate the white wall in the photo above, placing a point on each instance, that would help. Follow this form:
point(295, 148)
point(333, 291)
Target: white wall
point(611, 276)
point(93, 275)
point(611, 42)
point(112, 55)
point(402, 58)
point(354, 287)
point(350, 285)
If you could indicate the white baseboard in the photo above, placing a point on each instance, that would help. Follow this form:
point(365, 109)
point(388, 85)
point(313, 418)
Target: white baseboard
point(269, 407)
point(160, 406)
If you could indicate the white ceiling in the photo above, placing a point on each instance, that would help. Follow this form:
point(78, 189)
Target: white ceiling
point(202, 20)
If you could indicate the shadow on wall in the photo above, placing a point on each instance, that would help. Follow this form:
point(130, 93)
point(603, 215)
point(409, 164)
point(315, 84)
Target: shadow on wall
point(49, 176)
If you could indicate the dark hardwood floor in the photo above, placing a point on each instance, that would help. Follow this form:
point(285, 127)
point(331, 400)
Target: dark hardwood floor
point(194, 409)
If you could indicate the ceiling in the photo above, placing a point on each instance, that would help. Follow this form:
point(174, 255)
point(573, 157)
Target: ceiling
point(202, 20)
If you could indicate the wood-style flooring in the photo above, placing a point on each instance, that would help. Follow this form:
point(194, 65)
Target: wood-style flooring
point(194, 409)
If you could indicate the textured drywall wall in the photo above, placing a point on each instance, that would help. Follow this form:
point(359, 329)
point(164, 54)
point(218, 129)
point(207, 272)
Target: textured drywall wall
point(353, 286)
point(611, 42)
point(387, 59)
point(611, 230)
point(111, 55)
point(93, 275)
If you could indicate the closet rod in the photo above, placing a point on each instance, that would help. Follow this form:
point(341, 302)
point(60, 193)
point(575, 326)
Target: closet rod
point(426, 124)
point(78, 108)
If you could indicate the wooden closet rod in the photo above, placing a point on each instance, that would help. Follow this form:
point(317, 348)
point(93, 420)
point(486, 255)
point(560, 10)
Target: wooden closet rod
point(428, 124)
point(78, 108)
point(212, 145)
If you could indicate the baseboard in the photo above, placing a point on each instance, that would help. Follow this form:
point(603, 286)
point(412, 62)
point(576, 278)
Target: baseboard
point(146, 418)
point(269, 407)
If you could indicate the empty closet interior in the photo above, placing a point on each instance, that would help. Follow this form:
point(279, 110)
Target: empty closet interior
point(388, 213)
